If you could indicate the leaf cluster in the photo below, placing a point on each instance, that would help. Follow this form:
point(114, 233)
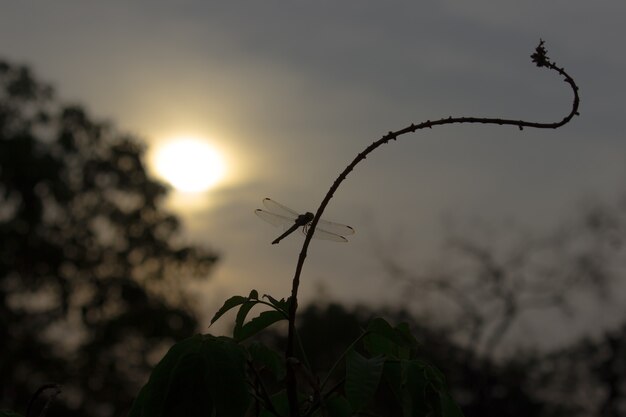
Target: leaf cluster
point(231, 376)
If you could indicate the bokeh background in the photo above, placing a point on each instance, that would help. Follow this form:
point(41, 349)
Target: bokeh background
point(526, 225)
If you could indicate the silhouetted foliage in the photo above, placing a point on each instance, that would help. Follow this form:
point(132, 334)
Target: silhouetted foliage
point(87, 260)
point(586, 379)
point(482, 386)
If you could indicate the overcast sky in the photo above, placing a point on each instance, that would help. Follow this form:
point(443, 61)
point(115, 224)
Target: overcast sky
point(291, 91)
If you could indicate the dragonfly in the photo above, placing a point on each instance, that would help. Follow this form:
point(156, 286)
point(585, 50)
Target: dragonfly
point(279, 215)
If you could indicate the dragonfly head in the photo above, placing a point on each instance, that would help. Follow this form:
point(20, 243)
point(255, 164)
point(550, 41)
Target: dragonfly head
point(305, 218)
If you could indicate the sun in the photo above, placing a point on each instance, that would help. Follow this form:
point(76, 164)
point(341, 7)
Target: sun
point(190, 165)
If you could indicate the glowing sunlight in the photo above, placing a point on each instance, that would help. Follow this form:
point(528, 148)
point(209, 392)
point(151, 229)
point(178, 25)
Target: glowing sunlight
point(190, 165)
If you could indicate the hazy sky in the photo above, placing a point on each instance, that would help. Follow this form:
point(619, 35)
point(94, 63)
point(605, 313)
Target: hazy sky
point(291, 91)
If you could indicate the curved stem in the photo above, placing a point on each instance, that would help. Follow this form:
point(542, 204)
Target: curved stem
point(539, 58)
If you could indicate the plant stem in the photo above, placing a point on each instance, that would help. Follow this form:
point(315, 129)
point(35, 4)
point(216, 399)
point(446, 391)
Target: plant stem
point(539, 58)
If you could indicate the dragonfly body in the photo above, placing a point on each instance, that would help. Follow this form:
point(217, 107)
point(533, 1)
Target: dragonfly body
point(302, 220)
point(279, 215)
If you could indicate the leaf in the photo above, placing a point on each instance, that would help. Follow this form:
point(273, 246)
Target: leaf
point(336, 406)
point(170, 388)
point(426, 393)
point(280, 403)
point(242, 314)
point(362, 378)
point(449, 407)
point(380, 326)
point(281, 305)
point(409, 342)
point(268, 358)
point(382, 339)
point(252, 300)
point(232, 302)
point(435, 377)
point(9, 413)
point(257, 324)
point(417, 395)
point(392, 375)
point(200, 376)
point(227, 372)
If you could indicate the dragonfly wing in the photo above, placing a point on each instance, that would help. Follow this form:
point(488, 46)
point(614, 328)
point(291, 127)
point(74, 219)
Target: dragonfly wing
point(336, 228)
point(278, 208)
point(275, 219)
point(324, 235)
point(283, 216)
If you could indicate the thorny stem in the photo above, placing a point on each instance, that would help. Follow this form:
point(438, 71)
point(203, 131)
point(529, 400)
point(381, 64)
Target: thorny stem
point(540, 58)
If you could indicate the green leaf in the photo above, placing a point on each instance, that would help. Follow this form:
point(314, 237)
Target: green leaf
point(173, 386)
point(381, 326)
point(362, 378)
point(392, 375)
point(257, 324)
point(417, 398)
point(376, 344)
point(382, 339)
point(200, 376)
point(9, 413)
point(242, 314)
point(335, 406)
point(435, 376)
point(409, 342)
point(281, 305)
point(226, 362)
point(449, 407)
point(232, 302)
point(268, 358)
point(426, 393)
point(280, 402)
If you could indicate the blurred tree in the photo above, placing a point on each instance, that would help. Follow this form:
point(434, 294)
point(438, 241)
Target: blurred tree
point(90, 273)
point(490, 282)
point(587, 378)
